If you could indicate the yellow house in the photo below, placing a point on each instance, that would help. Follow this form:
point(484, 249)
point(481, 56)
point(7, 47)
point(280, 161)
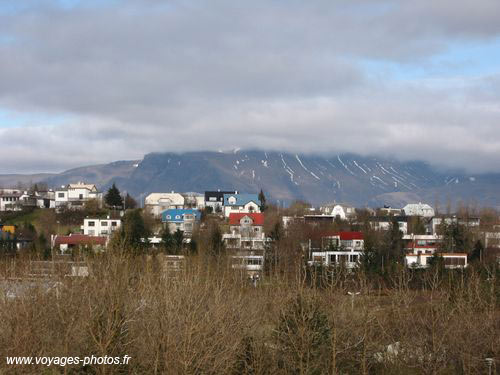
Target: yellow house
point(8, 228)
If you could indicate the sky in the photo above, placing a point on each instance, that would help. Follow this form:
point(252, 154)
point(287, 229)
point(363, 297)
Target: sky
point(88, 82)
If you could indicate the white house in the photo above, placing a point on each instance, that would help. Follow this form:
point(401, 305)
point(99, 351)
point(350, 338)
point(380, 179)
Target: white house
point(342, 248)
point(241, 203)
point(343, 211)
point(9, 200)
point(450, 260)
point(156, 203)
point(75, 195)
point(100, 227)
point(418, 209)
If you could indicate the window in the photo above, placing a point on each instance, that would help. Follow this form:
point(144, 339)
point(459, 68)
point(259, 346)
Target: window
point(256, 229)
point(114, 223)
point(80, 196)
point(60, 195)
point(177, 216)
point(91, 232)
point(104, 223)
point(212, 199)
point(91, 223)
point(168, 217)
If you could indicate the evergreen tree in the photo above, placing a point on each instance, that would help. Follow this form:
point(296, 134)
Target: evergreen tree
point(129, 202)
point(262, 199)
point(477, 252)
point(217, 246)
point(178, 239)
point(133, 232)
point(113, 197)
point(167, 241)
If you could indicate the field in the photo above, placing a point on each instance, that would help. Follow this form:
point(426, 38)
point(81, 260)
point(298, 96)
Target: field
point(208, 319)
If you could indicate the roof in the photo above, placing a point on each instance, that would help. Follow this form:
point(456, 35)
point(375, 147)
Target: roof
point(155, 198)
point(82, 185)
point(345, 236)
point(79, 239)
point(257, 218)
point(241, 199)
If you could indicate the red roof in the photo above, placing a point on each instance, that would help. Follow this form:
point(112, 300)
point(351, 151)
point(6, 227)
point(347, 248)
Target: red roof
point(79, 239)
point(346, 236)
point(257, 218)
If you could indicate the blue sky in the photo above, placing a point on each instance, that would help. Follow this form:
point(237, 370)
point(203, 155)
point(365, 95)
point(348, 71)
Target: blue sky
point(106, 80)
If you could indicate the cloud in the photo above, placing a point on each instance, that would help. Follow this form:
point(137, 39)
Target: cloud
point(137, 76)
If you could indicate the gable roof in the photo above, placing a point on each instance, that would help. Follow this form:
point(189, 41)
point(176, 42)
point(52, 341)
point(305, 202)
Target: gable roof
point(235, 218)
point(241, 199)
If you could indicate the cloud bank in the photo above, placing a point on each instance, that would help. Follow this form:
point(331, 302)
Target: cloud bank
point(118, 79)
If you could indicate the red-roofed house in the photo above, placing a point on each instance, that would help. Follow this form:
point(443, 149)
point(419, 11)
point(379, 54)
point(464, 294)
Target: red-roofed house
point(63, 243)
point(246, 231)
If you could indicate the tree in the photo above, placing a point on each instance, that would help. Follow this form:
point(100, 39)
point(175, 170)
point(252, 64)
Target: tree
point(133, 232)
point(113, 197)
point(262, 199)
point(303, 337)
point(477, 252)
point(129, 202)
point(216, 244)
point(167, 241)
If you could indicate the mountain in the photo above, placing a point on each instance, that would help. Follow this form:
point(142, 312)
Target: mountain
point(284, 177)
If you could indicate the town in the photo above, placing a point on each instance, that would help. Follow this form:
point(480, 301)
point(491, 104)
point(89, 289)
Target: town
point(79, 219)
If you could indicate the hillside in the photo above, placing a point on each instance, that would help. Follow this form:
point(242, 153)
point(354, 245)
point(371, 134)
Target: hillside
point(285, 177)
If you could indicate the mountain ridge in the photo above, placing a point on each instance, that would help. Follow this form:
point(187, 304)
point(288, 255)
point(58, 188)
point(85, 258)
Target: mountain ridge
point(285, 177)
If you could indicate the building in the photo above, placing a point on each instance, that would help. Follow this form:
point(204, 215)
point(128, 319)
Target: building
point(194, 200)
point(66, 243)
point(181, 219)
point(215, 199)
point(157, 203)
point(100, 227)
point(249, 262)
point(75, 195)
point(342, 211)
point(241, 203)
point(422, 243)
point(450, 260)
point(9, 200)
point(434, 223)
point(246, 231)
point(418, 209)
point(338, 249)
point(385, 222)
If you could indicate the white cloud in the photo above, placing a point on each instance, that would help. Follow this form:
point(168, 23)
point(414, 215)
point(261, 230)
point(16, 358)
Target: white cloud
point(142, 76)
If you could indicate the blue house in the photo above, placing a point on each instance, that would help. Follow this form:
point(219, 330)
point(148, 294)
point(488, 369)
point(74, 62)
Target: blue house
point(182, 219)
point(241, 203)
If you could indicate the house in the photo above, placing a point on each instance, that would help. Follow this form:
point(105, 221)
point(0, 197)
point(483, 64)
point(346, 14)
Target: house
point(246, 231)
point(75, 195)
point(249, 262)
point(385, 222)
point(422, 243)
point(389, 211)
point(343, 211)
point(65, 243)
point(450, 260)
point(435, 222)
point(157, 203)
point(194, 200)
point(418, 209)
point(338, 248)
point(9, 200)
point(182, 219)
point(241, 203)
point(215, 199)
point(100, 227)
